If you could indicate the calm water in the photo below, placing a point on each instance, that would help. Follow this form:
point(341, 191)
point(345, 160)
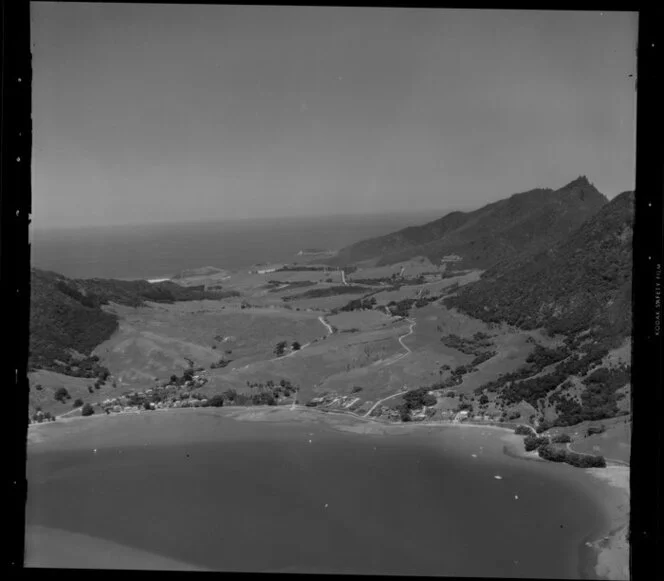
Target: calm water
point(264, 498)
point(162, 250)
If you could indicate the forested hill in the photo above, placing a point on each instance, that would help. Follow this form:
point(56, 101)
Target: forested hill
point(67, 321)
point(581, 284)
point(524, 223)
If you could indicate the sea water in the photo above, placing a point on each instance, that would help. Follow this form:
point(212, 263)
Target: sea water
point(303, 497)
point(162, 250)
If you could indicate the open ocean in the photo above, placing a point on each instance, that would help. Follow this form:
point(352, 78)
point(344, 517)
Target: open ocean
point(162, 250)
point(303, 497)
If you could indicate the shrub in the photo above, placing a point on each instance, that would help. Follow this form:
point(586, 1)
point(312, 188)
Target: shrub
point(296, 346)
point(38, 387)
point(595, 430)
point(561, 439)
point(87, 410)
point(356, 389)
point(78, 403)
point(522, 430)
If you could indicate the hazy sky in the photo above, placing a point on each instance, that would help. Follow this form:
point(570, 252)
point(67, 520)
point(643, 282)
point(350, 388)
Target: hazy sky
point(165, 113)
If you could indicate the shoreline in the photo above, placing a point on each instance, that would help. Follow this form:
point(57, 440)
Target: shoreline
point(611, 549)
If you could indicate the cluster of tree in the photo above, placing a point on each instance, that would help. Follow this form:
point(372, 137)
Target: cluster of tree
point(523, 430)
point(280, 348)
point(561, 439)
point(414, 399)
point(462, 370)
point(282, 389)
point(401, 308)
point(542, 357)
point(359, 304)
point(482, 357)
point(424, 300)
point(598, 400)
point(301, 268)
point(39, 416)
point(556, 454)
point(477, 345)
point(532, 442)
point(317, 293)
point(373, 281)
point(417, 398)
point(221, 363)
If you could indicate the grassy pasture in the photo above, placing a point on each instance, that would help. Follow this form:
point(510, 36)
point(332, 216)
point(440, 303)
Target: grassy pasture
point(154, 342)
point(362, 320)
point(614, 443)
point(76, 386)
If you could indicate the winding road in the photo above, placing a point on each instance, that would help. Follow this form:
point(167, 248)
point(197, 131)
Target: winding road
point(330, 330)
point(373, 407)
point(400, 339)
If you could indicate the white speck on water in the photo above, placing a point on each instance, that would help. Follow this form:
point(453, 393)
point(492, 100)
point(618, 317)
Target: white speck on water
point(95, 450)
point(516, 497)
point(327, 505)
point(498, 477)
point(310, 441)
point(474, 455)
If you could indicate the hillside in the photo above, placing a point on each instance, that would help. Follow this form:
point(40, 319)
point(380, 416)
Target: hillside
point(521, 224)
point(582, 283)
point(67, 321)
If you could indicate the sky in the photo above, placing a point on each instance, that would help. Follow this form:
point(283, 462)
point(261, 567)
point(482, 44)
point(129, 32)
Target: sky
point(165, 113)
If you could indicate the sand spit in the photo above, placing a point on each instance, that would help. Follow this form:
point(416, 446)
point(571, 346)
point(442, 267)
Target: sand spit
point(613, 548)
point(54, 548)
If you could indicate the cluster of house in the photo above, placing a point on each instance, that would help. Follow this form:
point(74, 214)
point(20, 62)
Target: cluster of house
point(265, 269)
point(348, 402)
point(451, 258)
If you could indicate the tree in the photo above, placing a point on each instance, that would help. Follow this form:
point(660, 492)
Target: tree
point(296, 346)
point(484, 399)
point(87, 410)
point(404, 412)
point(280, 348)
point(61, 394)
point(78, 403)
